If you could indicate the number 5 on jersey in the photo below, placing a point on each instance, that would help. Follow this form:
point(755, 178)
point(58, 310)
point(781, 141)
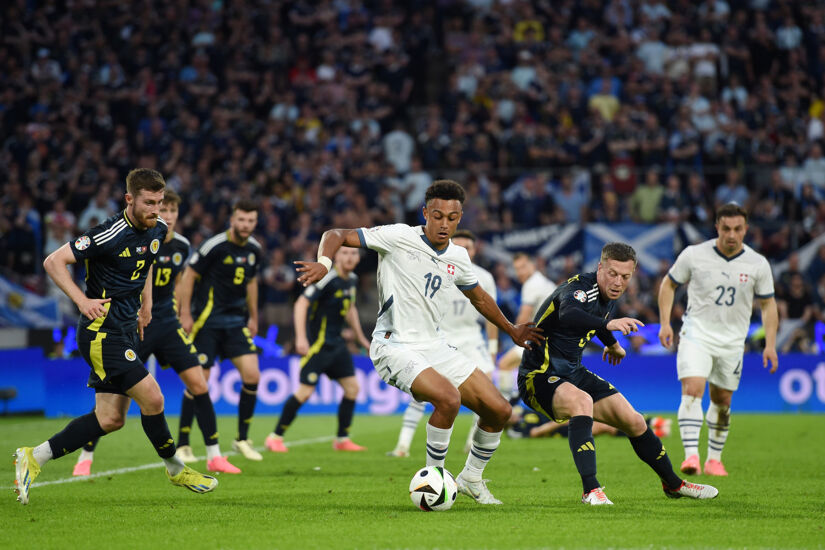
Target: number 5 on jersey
point(238, 276)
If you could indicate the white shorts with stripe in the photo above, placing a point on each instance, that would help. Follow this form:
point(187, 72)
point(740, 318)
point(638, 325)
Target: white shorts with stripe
point(723, 370)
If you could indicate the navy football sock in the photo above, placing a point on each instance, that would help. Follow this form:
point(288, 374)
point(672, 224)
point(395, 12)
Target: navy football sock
point(246, 408)
point(345, 412)
point(77, 433)
point(649, 448)
point(156, 429)
point(187, 413)
point(580, 439)
point(288, 415)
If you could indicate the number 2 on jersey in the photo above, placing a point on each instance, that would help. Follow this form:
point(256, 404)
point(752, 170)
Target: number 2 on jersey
point(434, 282)
point(138, 267)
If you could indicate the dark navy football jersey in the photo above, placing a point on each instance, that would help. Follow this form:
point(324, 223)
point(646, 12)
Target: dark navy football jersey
point(117, 257)
point(224, 268)
point(330, 300)
point(169, 262)
point(566, 331)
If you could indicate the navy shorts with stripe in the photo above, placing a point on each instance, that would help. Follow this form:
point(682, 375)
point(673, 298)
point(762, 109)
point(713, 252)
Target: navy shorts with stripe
point(170, 345)
point(113, 359)
point(227, 343)
point(540, 396)
point(333, 360)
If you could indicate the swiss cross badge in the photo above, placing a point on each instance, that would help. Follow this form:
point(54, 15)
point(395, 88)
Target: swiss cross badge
point(450, 269)
point(743, 277)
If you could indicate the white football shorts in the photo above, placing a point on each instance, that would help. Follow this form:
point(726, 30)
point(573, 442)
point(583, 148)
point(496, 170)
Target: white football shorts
point(723, 370)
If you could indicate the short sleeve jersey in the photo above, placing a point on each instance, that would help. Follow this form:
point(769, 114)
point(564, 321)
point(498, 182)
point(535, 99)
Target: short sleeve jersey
point(563, 343)
point(330, 300)
point(224, 268)
point(414, 281)
point(720, 293)
point(535, 290)
point(169, 263)
point(117, 257)
point(462, 322)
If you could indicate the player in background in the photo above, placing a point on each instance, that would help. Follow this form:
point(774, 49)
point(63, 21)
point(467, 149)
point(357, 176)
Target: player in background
point(535, 288)
point(725, 275)
point(417, 267)
point(118, 256)
point(165, 338)
point(322, 309)
point(220, 288)
point(462, 328)
point(553, 381)
point(534, 425)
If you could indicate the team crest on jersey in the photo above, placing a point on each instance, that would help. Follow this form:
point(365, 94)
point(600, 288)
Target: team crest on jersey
point(140, 249)
point(82, 242)
point(251, 258)
point(155, 246)
point(743, 277)
point(553, 379)
point(450, 269)
point(580, 296)
point(130, 355)
point(177, 258)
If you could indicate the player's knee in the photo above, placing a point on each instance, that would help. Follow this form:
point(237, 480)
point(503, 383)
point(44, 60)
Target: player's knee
point(111, 422)
point(582, 405)
point(501, 412)
point(251, 377)
point(152, 405)
point(197, 386)
point(637, 425)
point(351, 390)
point(448, 401)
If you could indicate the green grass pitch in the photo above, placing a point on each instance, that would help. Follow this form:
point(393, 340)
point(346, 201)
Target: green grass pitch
point(313, 497)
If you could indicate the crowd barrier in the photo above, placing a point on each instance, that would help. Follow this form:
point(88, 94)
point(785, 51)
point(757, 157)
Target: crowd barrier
point(57, 387)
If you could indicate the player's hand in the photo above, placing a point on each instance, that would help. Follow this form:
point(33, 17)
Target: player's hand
point(613, 354)
point(625, 325)
point(301, 346)
point(769, 355)
point(366, 345)
point(311, 272)
point(93, 308)
point(186, 322)
point(144, 318)
point(666, 335)
point(527, 334)
point(252, 326)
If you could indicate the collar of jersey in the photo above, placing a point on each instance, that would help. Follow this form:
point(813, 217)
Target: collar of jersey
point(426, 240)
point(727, 258)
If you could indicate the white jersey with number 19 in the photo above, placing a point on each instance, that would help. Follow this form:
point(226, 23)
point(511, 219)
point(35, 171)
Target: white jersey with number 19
point(414, 281)
point(720, 294)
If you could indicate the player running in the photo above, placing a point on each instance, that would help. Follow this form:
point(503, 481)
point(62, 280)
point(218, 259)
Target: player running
point(323, 308)
point(225, 305)
point(417, 268)
point(171, 346)
point(553, 381)
point(725, 275)
point(118, 255)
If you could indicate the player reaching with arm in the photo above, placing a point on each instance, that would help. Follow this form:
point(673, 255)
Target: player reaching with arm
point(118, 255)
point(165, 338)
point(220, 288)
point(725, 275)
point(416, 268)
point(323, 308)
point(553, 381)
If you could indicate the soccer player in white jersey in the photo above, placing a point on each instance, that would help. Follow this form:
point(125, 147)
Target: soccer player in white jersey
point(462, 328)
point(724, 275)
point(417, 267)
point(535, 288)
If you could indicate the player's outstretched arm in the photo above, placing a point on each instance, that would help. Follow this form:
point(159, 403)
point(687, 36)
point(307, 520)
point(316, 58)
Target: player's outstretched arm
point(331, 241)
point(299, 317)
point(183, 293)
point(522, 334)
point(666, 292)
point(145, 311)
point(770, 320)
point(55, 265)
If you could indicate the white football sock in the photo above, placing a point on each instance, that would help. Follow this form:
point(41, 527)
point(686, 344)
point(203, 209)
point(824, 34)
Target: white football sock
point(438, 439)
point(690, 423)
point(472, 432)
point(484, 445)
point(42, 453)
point(718, 424)
point(173, 465)
point(213, 451)
point(86, 455)
point(412, 416)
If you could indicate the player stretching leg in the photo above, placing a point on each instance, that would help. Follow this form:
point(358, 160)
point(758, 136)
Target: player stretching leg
point(725, 275)
point(553, 381)
point(165, 338)
point(461, 327)
point(226, 308)
point(118, 255)
point(327, 304)
point(417, 268)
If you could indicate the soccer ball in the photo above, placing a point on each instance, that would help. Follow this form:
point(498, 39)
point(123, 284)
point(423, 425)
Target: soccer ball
point(433, 489)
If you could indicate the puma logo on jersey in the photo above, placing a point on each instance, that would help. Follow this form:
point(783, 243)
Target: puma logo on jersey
point(125, 253)
point(228, 260)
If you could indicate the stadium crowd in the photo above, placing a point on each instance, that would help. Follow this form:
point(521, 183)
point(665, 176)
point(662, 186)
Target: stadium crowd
point(342, 112)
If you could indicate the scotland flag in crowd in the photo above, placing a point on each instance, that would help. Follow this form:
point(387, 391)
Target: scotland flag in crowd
point(21, 308)
point(652, 243)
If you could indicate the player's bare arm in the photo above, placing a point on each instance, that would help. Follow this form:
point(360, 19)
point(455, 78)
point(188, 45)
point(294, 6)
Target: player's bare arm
point(252, 306)
point(521, 334)
point(299, 317)
point(355, 323)
point(666, 292)
point(55, 265)
point(625, 325)
point(331, 241)
point(183, 291)
point(613, 354)
point(145, 311)
point(770, 320)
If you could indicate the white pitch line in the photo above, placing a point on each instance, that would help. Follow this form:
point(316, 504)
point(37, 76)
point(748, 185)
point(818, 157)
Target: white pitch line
point(130, 469)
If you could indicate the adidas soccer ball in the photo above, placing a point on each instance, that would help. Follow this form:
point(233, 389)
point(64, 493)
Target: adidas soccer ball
point(433, 489)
